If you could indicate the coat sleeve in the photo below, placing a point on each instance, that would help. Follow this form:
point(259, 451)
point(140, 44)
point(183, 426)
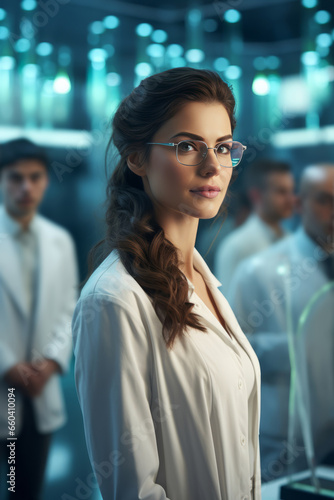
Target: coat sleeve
point(112, 376)
point(270, 345)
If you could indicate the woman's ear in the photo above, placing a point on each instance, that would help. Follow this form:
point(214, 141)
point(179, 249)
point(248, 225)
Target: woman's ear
point(135, 165)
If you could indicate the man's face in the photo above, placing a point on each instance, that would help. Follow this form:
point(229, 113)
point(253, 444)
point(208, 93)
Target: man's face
point(278, 199)
point(317, 206)
point(23, 185)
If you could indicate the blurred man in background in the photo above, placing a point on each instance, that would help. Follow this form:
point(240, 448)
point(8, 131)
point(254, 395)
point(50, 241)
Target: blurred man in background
point(269, 293)
point(38, 292)
point(270, 187)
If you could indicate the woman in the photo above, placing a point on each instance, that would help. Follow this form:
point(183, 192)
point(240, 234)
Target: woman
point(168, 384)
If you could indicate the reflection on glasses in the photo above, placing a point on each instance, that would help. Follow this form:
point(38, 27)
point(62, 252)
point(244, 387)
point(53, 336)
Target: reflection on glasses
point(193, 152)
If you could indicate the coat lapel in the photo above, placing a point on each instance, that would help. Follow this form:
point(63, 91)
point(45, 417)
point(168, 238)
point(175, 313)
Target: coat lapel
point(46, 249)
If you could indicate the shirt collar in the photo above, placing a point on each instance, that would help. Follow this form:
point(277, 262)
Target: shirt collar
point(14, 228)
point(203, 268)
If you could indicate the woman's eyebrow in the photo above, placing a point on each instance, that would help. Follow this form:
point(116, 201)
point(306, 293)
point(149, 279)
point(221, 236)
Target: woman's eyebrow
point(195, 136)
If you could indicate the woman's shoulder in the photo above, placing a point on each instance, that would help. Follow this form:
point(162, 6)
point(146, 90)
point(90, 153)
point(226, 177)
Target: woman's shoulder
point(112, 282)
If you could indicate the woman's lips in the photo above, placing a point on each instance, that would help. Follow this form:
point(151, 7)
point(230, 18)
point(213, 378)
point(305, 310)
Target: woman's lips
point(207, 194)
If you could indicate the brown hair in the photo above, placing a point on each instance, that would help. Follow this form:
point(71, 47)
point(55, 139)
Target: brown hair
point(144, 250)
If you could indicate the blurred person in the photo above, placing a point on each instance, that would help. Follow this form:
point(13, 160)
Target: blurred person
point(38, 281)
point(167, 382)
point(209, 235)
point(289, 274)
point(270, 187)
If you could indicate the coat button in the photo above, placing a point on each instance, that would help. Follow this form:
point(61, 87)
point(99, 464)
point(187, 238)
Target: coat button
point(242, 440)
point(240, 384)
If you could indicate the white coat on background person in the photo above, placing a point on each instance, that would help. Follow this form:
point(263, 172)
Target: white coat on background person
point(269, 185)
point(50, 332)
point(232, 250)
point(259, 296)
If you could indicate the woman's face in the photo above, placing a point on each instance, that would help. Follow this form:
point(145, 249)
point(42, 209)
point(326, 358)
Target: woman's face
point(168, 183)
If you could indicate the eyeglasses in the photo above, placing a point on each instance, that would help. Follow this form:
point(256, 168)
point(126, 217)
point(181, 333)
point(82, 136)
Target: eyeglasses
point(192, 152)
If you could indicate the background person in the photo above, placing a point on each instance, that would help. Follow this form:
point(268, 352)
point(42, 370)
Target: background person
point(259, 298)
point(38, 281)
point(270, 187)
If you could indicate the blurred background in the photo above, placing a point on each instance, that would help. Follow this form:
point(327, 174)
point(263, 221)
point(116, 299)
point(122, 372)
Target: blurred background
point(66, 64)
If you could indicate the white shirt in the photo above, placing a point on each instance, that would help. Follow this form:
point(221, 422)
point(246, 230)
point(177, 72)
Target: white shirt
point(25, 242)
point(251, 237)
point(170, 425)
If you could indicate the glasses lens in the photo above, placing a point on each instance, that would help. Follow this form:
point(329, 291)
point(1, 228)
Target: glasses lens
point(229, 153)
point(191, 152)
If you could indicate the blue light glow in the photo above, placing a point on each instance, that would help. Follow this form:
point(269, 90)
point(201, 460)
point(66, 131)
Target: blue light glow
point(260, 63)
point(261, 85)
point(61, 458)
point(194, 17)
point(111, 22)
point(155, 50)
point(22, 45)
point(2, 14)
point(44, 49)
point(28, 5)
point(195, 55)
point(159, 36)
point(322, 17)
point(324, 40)
point(232, 16)
point(4, 32)
point(309, 4)
point(97, 55)
point(233, 72)
point(221, 64)
point(30, 71)
point(144, 29)
point(97, 27)
point(143, 69)
point(273, 62)
point(113, 79)
point(174, 50)
point(178, 62)
point(7, 63)
point(62, 84)
point(310, 58)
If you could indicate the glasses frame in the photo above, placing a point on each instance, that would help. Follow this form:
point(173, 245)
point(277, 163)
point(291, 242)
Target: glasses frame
point(206, 153)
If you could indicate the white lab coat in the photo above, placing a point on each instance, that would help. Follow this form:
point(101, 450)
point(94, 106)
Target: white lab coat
point(259, 295)
point(251, 237)
point(57, 295)
point(151, 417)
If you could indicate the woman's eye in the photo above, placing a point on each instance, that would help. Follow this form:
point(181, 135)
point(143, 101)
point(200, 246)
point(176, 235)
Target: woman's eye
point(223, 148)
point(187, 146)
